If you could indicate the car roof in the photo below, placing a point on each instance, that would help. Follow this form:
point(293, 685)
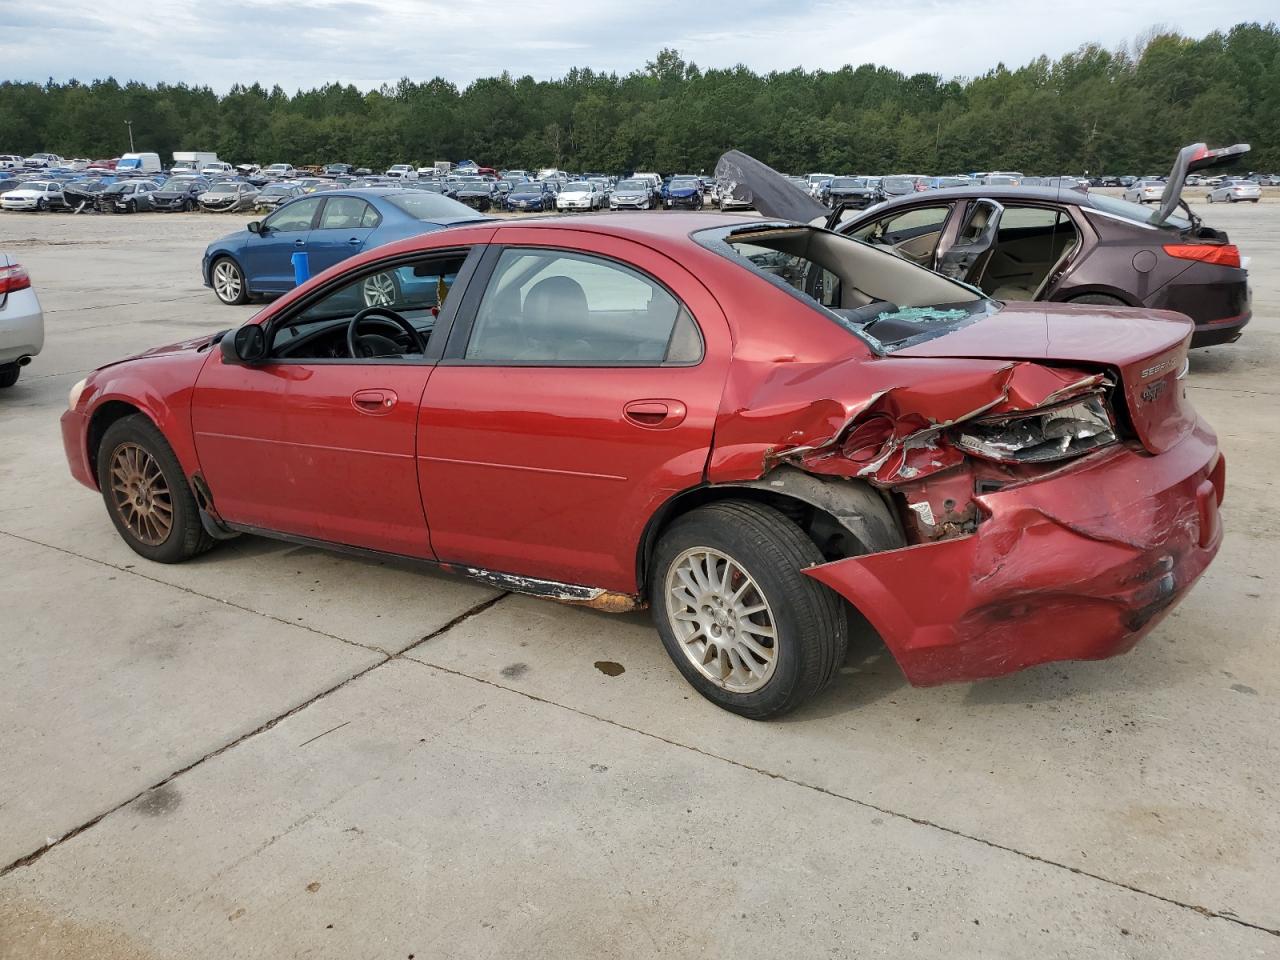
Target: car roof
point(995, 192)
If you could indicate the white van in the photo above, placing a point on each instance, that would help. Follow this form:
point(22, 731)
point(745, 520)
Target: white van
point(139, 163)
point(216, 168)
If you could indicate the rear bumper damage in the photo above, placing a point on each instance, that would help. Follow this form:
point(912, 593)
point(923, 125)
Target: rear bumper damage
point(1078, 566)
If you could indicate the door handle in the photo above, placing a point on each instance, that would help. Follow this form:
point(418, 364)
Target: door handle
point(354, 241)
point(299, 243)
point(374, 402)
point(655, 414)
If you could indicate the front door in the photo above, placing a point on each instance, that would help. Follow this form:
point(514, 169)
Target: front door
point(576, 396)
point(268, 255)
point(315, 442)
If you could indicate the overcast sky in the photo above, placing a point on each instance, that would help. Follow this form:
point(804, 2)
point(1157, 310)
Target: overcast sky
point(304, 43)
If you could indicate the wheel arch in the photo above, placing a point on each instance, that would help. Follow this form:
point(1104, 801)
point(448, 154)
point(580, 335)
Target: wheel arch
point(103, 416)
point(1074, 293)
point(842, 517)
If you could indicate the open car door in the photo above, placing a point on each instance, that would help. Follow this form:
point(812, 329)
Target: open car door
point(967, 256)
point(746, 178)
point(1191, 159)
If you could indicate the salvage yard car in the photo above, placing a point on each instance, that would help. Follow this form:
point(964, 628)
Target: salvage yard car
point(179, 194)
point(127, 196)
point(1235, 190)
point(1051, 244)
point(632, 194)
point(229, 196)
point(753, 426)
point(329, 227)
point(21, 320)
point(580, 195)
point(33, 195)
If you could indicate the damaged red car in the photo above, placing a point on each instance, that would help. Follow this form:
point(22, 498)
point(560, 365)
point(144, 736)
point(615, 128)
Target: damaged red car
point(759, 429)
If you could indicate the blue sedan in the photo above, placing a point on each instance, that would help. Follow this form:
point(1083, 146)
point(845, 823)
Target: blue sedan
point(329, 227)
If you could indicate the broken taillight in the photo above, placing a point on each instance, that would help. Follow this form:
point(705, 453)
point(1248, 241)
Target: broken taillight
point(13, 278)
point(1223, 254)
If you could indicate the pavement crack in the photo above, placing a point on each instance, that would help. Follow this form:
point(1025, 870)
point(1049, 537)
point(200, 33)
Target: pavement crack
point(196, 593)
point(1227, 916)
point(35, 855)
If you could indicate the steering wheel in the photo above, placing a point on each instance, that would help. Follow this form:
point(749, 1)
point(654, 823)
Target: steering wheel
point(357, 349)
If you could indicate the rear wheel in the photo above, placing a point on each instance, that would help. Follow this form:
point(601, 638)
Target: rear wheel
point(740, 620)
point(9, 373)
point(228, 282)
point(147, 494)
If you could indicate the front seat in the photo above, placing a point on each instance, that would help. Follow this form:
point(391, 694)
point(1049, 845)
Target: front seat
point(555, 316)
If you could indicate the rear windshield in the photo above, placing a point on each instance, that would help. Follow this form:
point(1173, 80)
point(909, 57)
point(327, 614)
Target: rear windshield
point(428, 206)
point(1135, 212)
point(876, 296)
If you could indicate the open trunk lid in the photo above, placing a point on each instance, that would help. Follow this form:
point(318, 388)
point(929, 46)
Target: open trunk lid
point(1191, 159)
point(747, 179)
point(1148, 358)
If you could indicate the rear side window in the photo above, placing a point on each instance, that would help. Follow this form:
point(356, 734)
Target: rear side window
point(565, 309)
point(347, 213)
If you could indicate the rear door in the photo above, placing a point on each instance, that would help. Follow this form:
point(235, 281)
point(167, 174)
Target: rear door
point(578, 392)
point(343, 230)
point(268, 254)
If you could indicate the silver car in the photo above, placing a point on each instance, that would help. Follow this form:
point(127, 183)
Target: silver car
point(1233, 191)
point(21, 321)
point(1145, 191)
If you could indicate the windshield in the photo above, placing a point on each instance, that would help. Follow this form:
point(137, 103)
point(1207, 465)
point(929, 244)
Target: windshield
point(428, 206)
point(276, 191)
point(577, 186)
point(223, 188)
point(897, 184)
point(879, 297)
point(526, 188)
point(279, 166)
point(684, 183)
point(848, 182)
point(1135, 212)
point(178, 183)
point(632, 185)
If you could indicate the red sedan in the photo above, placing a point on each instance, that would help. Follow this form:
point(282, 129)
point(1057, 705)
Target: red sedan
point(751, 426)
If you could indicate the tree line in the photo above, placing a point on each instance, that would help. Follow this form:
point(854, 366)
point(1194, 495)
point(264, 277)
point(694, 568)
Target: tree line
point(1097, 110)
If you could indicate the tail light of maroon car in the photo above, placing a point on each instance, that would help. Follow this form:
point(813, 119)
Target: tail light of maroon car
point(1222, 254)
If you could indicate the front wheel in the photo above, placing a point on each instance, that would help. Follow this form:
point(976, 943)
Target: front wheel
point(738, 616)
point(147, 494)
point(228, 282)
point(42, 204)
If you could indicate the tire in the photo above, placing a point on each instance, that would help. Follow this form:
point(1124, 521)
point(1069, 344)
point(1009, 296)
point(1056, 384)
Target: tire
point(42, 205)
point(770, 553)
point(9, 373)
point(136, 440)
point(1208, 198)
point(228, 282)
point(1099, 299)
point(188, 205)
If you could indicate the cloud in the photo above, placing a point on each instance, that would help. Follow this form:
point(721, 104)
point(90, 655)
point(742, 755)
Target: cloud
point(369, 42)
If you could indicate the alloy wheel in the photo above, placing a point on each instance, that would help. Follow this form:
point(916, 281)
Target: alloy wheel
point(226, 281)
point(141, 494)
point(379, 290)
point(721, 619)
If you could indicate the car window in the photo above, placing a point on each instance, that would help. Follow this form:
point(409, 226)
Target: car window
point(912, 233)
point(415, 290)
point(567, 309)
point(295, 216)
point(343, 213)
point(1015, 217)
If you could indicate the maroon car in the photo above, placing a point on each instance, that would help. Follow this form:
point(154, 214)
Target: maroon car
point(1053, 244)
point(751, 426)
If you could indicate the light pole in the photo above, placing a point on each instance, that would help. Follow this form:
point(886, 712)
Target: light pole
point(129, 124)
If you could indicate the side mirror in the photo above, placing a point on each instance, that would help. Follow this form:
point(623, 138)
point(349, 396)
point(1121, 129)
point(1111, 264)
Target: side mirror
point(254, 226)
point(244, 345)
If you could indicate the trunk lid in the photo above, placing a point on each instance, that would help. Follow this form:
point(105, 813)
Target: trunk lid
point(1191, 159)
point(746, 178)
point(1146, 352)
